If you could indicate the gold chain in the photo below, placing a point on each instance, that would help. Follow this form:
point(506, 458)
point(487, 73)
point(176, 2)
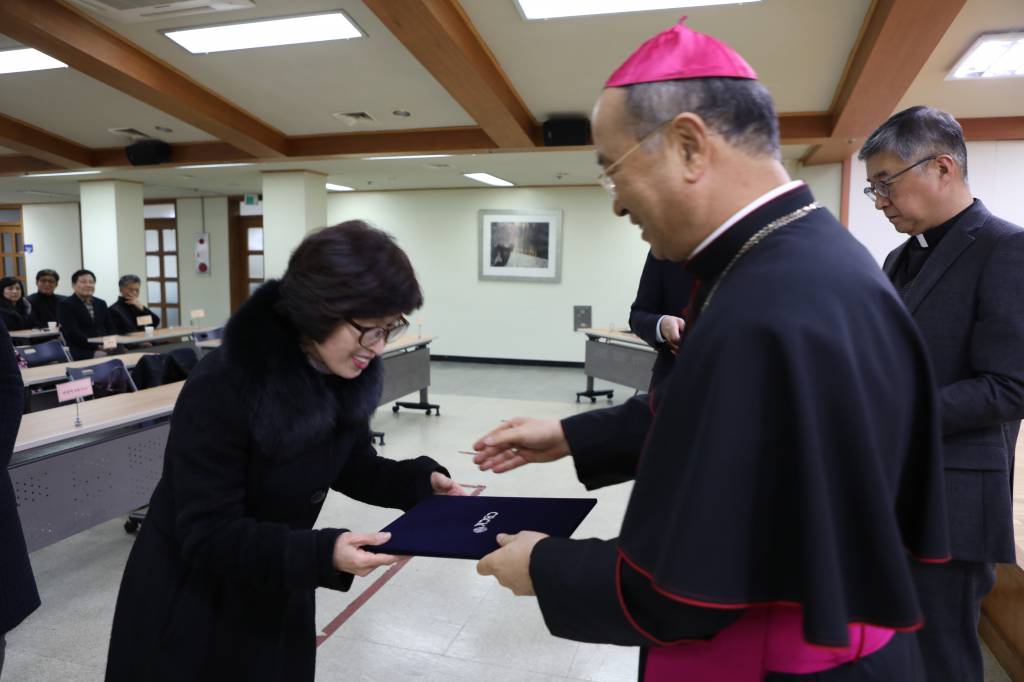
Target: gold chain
point(755, 239)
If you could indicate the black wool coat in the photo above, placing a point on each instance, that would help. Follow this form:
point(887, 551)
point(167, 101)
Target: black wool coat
point(220, 583)
point(123, 317)
point(78, 326)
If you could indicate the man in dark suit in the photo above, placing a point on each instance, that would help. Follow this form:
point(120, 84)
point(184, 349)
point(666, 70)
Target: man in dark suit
point(127, 312)
point(83, 316)
point(45, 301)
point(656, 314)
point(960, 274)
point(18, 595)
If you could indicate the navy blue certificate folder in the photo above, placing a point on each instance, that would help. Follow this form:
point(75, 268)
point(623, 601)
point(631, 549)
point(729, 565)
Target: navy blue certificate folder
point(465, 527)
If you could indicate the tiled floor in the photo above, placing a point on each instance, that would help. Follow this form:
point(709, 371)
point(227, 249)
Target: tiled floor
point(433, 620)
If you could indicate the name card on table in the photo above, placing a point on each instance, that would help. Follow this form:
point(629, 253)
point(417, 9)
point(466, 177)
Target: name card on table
point(109, 342)
point(72, 390)
point(144, 320)
point(197, 314)
point(52, 326)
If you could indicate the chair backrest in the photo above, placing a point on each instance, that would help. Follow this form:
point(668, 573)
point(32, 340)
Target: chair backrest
point(180, 362)
point(149, 371)
point(108, 377)
point(210, 334)
point(44, 353)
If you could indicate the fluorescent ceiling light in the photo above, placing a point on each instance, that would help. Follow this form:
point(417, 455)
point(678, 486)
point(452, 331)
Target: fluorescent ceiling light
point(215, 165)
point(339, 188)
point(312, 28)
point(27, 59)
point(555, 9)
point(994, 55)
point(407, 156)
point(488, 179)
point(61, 174)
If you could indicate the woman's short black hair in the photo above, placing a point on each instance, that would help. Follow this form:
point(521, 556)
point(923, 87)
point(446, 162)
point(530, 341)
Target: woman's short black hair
point(348, 271)
point(8, 281)
point(78, 273)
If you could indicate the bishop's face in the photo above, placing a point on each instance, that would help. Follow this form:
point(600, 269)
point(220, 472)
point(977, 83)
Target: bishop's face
point(644, 179)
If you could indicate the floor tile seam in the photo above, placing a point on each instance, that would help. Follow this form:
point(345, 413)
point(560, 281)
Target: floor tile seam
point(562, 675)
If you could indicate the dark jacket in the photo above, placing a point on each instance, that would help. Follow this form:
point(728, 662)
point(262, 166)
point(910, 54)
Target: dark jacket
point(124, 316)
point(16, 316)
point(78, 327)
point(664, 289)
point(220, 584)
point(18, 595)
point(968, 304)
point(44, 308)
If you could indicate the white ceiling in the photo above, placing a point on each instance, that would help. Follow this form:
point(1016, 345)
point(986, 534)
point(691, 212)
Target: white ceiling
point(799, 48)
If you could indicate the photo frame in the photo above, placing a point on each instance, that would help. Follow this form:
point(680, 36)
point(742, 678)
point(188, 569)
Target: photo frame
point(521, 246)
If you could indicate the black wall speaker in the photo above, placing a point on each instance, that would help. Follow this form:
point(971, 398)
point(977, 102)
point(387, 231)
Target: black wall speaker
point(564, 132)
point(148, 152)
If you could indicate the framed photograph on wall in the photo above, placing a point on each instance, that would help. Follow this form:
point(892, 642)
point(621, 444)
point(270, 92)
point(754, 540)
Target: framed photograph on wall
point(525, 246)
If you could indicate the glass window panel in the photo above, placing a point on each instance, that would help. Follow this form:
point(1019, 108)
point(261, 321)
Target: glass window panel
point(256, 266)
point(8, 242)
point(21, 265)
point(170, 266)
point(152, 240)
point(170, 240)
point(9, 266)
point(152, 266)
point(20, 243)
point(10, 215)
point(153, 292)
point(255, 238)
point(253, 286)
point(172, 317)
point(158, 211)
point(172, 292)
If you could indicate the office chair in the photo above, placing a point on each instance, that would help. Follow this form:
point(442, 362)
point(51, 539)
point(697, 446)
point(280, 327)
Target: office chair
point(217, 333)
point(44, 353)
point(108, 378)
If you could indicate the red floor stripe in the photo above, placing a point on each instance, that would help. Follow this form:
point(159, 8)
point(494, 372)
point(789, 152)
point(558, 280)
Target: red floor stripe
point(380, 582)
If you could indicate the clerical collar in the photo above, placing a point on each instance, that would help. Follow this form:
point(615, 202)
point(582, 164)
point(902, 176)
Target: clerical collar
point(715, 252)
point(929, 239)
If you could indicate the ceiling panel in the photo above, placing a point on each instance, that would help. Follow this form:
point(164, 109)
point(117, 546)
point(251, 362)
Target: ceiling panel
point(296, 88)
point(568, 60)
point(963, 99)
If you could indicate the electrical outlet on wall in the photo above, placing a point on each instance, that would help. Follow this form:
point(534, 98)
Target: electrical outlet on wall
point(581, 317)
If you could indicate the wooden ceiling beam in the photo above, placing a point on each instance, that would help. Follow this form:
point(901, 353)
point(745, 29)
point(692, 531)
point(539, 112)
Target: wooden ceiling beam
point(896, 40)
point(37, 143)
point(811, 128)
point(85, 45)
point(440, 35)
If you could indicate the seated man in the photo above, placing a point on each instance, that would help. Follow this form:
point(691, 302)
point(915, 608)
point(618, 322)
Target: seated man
point(126, 312)
point(44, 301)
point(83, 316)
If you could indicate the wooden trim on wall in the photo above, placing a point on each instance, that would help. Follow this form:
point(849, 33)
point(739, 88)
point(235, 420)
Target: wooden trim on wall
point(846, 190)
point(1001, 624)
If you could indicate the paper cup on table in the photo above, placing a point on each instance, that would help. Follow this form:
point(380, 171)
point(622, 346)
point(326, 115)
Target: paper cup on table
point(52, 326)
point(109, 342)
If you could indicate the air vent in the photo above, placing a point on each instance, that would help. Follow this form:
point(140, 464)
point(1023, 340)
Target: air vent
point(355, 119)
point(136, 11)
point(438, 166)
point(132, 134)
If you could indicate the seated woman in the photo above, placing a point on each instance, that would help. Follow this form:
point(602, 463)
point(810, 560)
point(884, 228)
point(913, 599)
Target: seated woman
point(220, 583)
point(128, 309)
point(15, 310)
point(82, 316)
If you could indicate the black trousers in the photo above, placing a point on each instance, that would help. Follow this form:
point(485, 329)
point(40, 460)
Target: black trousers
point(951, 596)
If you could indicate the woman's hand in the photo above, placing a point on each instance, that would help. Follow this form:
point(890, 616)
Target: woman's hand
point(348, 556)
point(443, 485)
point(519, 441)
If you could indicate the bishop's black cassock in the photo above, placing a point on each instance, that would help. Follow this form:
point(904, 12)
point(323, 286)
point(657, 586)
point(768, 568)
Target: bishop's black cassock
point(789, 467)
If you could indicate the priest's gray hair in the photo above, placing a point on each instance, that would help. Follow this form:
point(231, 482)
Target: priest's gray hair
point(128, 279)
point(738, 109)
point(917, 133)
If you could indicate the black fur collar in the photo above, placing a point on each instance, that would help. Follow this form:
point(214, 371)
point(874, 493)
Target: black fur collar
point(292, 407)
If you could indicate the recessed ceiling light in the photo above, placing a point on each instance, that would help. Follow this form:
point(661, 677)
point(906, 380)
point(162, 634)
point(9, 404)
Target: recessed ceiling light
point(407, 156)
point(164, 129)
point(488, 179)
point(214, 165)
point(401, 113)
point(61, 174)
point(339, 188)
point(27, 59)
point(555, 9)
point(313, 28)
point(994, 55)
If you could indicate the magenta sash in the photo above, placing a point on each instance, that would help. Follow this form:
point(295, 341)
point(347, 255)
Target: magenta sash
point(765, 638)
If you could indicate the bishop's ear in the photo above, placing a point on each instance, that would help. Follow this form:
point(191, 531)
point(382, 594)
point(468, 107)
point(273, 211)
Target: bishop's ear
point(690, 136)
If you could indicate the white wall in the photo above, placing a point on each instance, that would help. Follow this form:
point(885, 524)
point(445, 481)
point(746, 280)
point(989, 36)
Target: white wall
point(113, 233)
point(602, 259)
point(210, 293)
point(826, 183)
point(995, 172)
point(55, 233)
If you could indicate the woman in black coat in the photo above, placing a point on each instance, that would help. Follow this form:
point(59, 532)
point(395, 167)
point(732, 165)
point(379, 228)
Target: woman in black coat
point(220, 584)
point(15, 310)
